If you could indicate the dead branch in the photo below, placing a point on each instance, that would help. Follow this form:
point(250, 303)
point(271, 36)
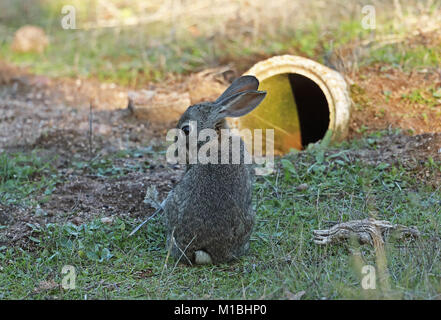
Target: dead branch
point(365, 231)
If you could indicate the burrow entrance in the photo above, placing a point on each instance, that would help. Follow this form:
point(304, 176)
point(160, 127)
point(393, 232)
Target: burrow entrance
point(295, 108)
point(312, 108)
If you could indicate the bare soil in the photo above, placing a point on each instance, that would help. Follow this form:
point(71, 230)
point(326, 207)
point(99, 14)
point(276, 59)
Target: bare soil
point(410, 151)
point(389, 98)
point(39, 113)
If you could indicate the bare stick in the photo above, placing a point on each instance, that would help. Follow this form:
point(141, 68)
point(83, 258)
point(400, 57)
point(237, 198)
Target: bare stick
point(90, 129)
point(366, 231)
point(149, 218)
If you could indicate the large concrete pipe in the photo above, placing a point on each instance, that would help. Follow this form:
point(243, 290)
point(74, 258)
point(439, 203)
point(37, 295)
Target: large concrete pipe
point(305, 99)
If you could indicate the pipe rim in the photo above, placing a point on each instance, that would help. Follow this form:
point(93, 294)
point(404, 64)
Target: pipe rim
point(331, 83)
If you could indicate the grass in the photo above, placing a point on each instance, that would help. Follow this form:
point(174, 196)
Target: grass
point(425, 96)
point(135, 56)
point(282, 257)
point(119, 57)
point(408, 59)
point(108, 55)
point(119, 164)
point(24, 175)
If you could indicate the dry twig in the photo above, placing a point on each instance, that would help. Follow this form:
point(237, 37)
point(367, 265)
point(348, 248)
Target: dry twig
point(366, 231)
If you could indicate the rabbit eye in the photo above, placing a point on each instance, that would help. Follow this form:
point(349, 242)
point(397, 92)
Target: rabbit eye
point(186, 130)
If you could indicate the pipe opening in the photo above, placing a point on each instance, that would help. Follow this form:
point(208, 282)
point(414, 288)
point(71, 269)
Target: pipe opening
point(296, 107)
point(312, 108)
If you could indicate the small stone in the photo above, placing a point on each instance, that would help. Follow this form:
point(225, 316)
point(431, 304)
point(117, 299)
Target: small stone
point(46, 285)
point(77, 221)
point(107, 220)
point(30, 38)
point(302, 187)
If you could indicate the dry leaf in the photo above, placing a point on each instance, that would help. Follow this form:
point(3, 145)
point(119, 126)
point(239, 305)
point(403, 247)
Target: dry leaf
point(46, 285)
point(294, 296)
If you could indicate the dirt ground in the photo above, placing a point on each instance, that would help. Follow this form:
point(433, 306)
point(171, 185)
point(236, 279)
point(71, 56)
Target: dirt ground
point(385, 97)
point(53, 115)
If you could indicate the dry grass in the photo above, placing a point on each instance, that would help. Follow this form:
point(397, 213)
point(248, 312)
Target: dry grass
point(132, 42)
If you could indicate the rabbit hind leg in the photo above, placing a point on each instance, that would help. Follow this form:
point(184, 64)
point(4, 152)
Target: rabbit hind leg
point(242, 250)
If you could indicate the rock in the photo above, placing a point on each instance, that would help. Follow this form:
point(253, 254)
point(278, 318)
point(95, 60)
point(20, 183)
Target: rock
point(158, 107)
point(103, 129)
point(77, 221)
point(206, 85)
point(141, 97)
point(30, 39)
point(107, 220)
point(302, 187)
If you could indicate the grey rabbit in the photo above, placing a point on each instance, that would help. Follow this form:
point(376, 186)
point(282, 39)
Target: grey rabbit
point(209, 216)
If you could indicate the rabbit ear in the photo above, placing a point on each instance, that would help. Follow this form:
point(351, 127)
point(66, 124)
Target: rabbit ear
point(241, 84)
point(240, 103)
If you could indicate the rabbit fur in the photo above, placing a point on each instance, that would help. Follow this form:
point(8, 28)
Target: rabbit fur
point(209, 215)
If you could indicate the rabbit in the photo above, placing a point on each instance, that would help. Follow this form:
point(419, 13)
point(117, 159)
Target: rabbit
point(208, 215)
